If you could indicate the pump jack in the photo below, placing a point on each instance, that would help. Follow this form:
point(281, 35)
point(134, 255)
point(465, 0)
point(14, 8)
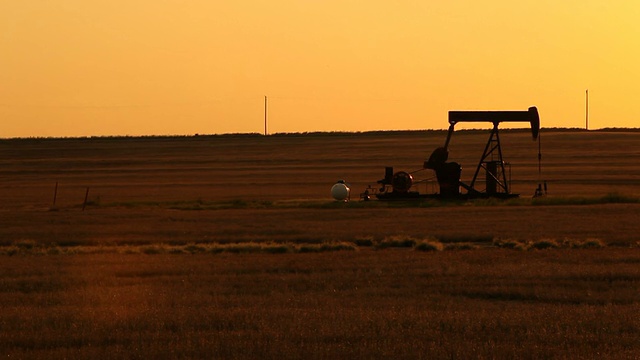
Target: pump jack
point(398, 185)
point(448, 173)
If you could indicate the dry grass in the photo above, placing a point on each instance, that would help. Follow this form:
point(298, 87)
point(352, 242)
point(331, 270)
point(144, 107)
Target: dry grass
point(612, 224)
point(367, 304)
point(229, 247)
point(226, 168)
point(251, 188)
point(30, 247)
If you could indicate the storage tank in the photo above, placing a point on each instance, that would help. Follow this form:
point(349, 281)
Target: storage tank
point(340, 191)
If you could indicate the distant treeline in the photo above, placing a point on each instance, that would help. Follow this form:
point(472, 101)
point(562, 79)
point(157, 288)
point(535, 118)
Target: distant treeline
point(311, 134)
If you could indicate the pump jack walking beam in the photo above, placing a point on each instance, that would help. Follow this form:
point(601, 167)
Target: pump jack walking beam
point(531, 116)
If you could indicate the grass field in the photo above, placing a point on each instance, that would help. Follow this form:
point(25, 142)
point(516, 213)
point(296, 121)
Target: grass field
point(286, 167)
point(568, 304)
point(230, 247)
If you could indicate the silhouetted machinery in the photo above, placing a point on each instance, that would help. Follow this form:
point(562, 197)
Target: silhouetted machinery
point(399, 185)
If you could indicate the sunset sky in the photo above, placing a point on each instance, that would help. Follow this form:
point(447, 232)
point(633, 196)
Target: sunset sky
point(143, 67)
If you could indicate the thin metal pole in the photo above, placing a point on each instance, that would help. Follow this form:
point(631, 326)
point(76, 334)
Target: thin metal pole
point(265, 116)
point(539, 190)
point(586, 111)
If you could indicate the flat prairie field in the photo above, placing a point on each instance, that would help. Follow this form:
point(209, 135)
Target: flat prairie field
point(232, 247)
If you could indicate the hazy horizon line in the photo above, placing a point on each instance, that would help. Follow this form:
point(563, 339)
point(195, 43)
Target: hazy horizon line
point(302, 133)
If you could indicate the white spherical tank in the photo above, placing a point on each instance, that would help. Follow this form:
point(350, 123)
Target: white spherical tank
point(340, 191)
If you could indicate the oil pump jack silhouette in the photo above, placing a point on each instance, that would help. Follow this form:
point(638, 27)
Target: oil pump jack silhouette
point(448, 173)
point(396, 186)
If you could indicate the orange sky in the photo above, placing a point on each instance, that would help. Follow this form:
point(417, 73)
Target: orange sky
point(142, 67)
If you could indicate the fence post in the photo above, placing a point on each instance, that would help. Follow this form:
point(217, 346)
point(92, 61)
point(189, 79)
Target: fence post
point(55, 194)
point(86, 196)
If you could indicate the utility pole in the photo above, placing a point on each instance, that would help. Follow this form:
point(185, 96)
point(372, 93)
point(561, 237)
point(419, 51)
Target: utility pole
point(265, 116)
point(586, 110)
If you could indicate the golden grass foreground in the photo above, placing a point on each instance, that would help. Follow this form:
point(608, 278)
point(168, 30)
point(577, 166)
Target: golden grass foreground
point(229, 247)
point(566, 303)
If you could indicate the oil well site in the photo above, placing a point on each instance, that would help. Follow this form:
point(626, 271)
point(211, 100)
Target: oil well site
point(488, 243)
point(494, 182)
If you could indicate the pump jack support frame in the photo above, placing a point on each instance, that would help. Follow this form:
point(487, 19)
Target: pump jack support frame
point(494, 166)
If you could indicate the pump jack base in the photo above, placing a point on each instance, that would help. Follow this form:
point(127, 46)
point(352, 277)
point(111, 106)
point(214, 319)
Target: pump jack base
point(414, 195)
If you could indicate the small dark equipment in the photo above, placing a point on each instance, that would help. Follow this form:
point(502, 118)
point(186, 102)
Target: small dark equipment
point(397, 186)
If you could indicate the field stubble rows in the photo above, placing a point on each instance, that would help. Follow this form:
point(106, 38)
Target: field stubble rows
point(138, 185)
point(297, 167)
point(571, 304)
point(366, 303)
